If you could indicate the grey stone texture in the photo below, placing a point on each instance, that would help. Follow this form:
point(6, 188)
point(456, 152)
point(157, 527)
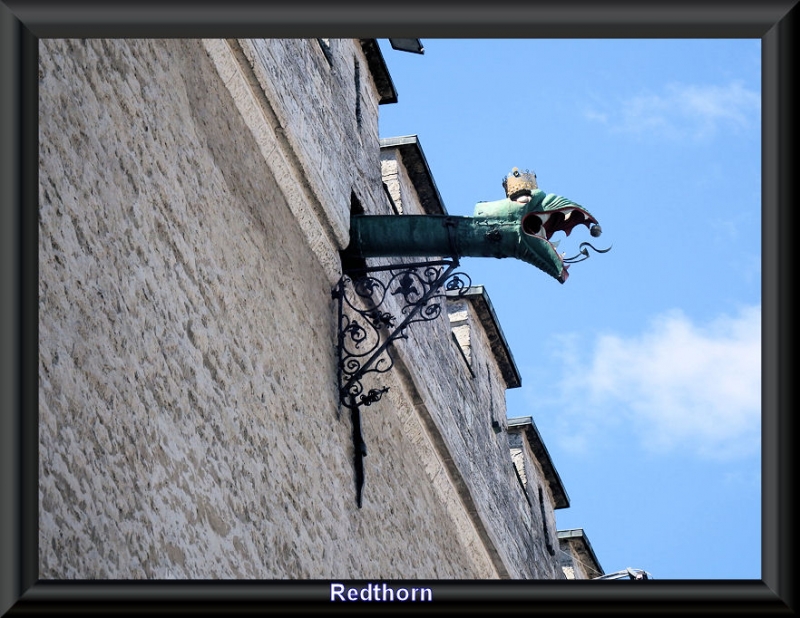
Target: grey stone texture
point(578, 560)
point(193, 199)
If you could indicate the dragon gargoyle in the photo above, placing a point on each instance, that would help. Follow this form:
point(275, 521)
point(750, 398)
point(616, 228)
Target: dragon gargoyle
point(520, 226)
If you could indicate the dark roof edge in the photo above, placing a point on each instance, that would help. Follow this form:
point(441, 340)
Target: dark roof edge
point(418, 171)
point(578, 533)
point(379, 71)
point(543, 457)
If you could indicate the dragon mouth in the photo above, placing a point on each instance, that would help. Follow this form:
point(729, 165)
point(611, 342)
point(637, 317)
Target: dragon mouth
point(541, 225)
point(544, 224)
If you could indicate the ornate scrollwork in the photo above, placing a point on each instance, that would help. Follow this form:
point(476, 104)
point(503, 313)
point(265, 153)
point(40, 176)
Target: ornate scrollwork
point(376, 311)
point(372, 314)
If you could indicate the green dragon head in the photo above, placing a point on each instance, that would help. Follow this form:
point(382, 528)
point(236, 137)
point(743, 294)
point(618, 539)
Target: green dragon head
point(531, 218)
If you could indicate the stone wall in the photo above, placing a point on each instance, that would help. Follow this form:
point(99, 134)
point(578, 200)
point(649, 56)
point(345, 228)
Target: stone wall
point(540, 498)
point(578, 560)
point(193, 199)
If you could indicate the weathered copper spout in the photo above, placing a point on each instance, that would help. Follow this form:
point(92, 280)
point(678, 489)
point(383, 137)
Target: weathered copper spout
point(520, 228)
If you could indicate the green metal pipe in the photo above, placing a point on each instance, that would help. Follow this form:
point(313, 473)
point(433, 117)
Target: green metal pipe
point(506, 228)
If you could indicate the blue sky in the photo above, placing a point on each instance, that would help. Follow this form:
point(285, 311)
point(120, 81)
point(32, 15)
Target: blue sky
point(642, 371)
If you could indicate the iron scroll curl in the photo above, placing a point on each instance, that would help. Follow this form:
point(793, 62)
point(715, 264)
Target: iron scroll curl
point(583, 254)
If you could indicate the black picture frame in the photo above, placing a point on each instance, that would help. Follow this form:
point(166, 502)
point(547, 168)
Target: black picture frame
point(23, 23)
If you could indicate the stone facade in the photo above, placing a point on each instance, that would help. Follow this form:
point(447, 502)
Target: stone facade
point(194, 197)
point(578, 560)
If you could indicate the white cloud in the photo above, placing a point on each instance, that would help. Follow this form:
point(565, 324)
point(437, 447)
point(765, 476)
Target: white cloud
point(679, 386)
point(684, 110)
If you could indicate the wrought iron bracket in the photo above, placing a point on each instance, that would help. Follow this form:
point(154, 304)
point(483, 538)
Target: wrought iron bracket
point(375, 307)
